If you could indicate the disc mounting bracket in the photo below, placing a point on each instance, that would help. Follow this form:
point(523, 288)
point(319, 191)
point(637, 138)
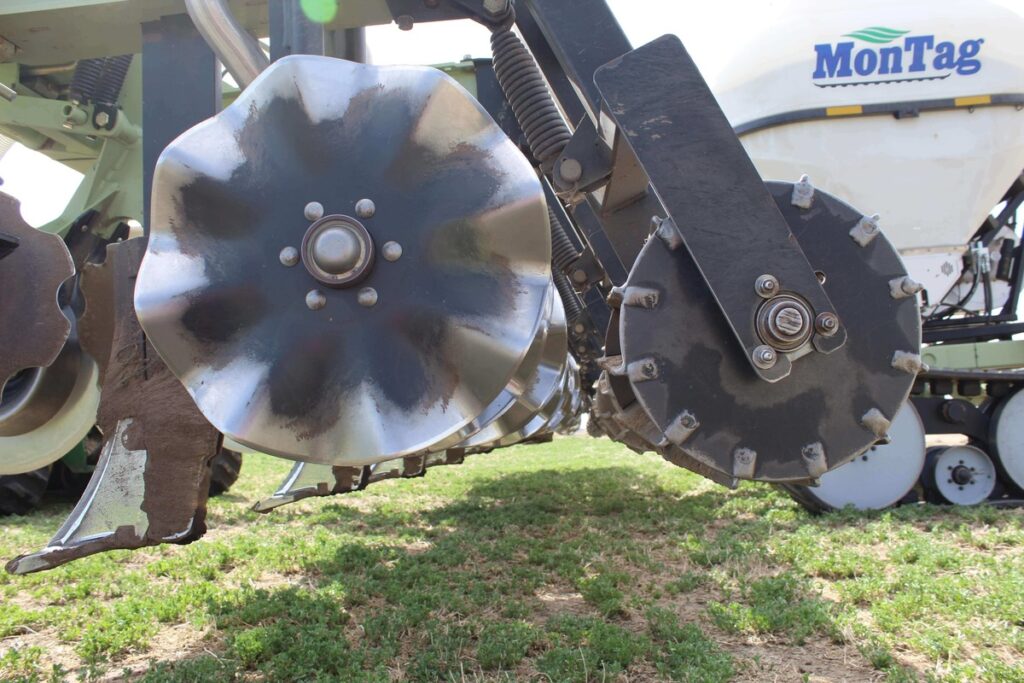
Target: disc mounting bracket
point(658, 110)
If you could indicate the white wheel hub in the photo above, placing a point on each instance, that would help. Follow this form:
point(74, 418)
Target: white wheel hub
point(964, 475)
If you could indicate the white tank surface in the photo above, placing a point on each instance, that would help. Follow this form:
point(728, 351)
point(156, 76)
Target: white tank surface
point(910, 109)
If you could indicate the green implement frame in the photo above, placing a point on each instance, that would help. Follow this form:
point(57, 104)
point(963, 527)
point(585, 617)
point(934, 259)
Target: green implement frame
point(109, 156)
point(994, 355)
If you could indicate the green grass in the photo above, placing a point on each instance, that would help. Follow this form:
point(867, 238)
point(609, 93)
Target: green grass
point(570, 561)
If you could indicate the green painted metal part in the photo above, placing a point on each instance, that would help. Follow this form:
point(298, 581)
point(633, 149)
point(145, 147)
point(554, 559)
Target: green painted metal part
point(44, 124)
point(77, 460)
point(55, 31)
point(111, 161)
point(464, 72)
point(113, 184)
point(996, 355)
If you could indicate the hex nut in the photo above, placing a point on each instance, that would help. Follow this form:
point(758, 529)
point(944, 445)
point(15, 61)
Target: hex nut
point(764, 356)
point(827, 324)
point(766, 285)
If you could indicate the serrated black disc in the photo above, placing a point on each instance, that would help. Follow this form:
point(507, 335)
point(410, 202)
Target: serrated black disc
point(823, 402)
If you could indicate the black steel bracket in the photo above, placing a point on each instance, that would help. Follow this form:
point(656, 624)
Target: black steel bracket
point(8, 243)
point(586, 162)
point(181, 87)
point(656, 104)
point(952, 416)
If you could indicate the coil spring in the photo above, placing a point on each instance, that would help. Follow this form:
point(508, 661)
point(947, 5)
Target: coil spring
point(570, 302)
point(563, 251)
point(524, 87)
point(546, 134)
point(99, 80)
point(115, 69)
point(85, 79)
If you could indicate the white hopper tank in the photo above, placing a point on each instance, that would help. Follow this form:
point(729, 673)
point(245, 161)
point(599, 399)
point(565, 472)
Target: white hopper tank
point(911, 109)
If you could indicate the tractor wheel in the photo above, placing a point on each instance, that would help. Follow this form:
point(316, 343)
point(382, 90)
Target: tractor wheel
point(21, 493)
point(226, 467)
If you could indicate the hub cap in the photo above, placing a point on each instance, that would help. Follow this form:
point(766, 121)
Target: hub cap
point(337, 250)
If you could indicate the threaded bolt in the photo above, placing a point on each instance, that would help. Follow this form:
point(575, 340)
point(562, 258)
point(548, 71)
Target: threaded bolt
point(764, 356)
point(827, 324)
point(766, 286)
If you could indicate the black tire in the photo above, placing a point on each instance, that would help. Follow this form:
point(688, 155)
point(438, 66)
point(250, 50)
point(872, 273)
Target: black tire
point(22, 493)
point(805, 497)
point(225, 468)
point(543, 437)
point(68, 484)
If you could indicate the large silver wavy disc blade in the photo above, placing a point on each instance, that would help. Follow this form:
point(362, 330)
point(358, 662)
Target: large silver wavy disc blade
point(356, 377)
point(532, 397)
point(565, 419)
point(516, 385)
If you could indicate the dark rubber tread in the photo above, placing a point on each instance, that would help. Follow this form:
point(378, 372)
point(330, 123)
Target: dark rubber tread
point(22, 493)
point(226, 467)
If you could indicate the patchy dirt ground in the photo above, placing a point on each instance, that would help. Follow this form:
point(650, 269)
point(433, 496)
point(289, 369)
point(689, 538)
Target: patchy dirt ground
point(570, 561)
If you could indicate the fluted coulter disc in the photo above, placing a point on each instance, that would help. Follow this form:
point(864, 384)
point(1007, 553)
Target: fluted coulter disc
point(347, 264)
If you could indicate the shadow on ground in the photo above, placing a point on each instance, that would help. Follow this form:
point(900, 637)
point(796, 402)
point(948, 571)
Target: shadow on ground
point(467, 585)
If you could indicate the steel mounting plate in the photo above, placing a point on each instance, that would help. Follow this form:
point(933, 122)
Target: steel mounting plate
point(774, 431)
